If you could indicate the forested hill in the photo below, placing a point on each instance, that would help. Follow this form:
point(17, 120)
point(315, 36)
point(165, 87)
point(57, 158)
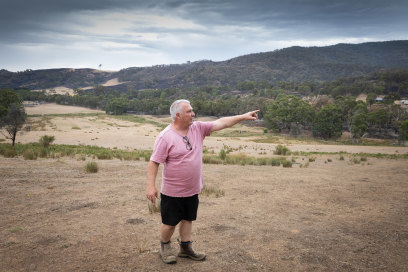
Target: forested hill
point(289, 64)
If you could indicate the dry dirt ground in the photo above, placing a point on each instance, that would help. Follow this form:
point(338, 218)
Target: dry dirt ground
point(333, 215)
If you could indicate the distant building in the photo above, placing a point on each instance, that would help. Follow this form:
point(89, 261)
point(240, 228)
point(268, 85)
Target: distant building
point(379, 99)
point(404, 102)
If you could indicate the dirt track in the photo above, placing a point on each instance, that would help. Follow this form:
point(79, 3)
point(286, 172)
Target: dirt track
point(333, 216)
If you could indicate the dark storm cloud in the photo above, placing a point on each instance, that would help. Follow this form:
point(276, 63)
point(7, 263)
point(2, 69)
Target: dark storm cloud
point(373, 16)
point(213, 29)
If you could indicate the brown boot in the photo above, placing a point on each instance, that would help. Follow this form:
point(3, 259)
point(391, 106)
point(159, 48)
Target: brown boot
point(167, 254)
point(186, 251)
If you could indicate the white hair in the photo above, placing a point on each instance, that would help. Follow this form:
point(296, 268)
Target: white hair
point(175, 107)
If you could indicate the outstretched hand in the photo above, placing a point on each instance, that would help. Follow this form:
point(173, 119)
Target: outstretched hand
point(252, 115)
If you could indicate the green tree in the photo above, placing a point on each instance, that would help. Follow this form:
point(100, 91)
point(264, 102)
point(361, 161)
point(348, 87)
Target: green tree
point(371, 98)
point(13, 121)
point(378, 119)
point(328, 122)
point(116, 106)
point(288, 109)
point(359, 126)
point(403, 133)
point(7, 97)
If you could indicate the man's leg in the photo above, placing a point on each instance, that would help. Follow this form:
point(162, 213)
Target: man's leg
point(185, 229)
point(186, 249)
point(166, 253)
point(166, 232)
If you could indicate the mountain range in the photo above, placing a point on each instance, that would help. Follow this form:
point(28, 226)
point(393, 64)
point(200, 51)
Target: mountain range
point(315, 64)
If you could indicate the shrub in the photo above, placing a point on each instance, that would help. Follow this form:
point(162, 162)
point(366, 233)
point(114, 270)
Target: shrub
point(147, 157)
point(223, 155)
point(274, 161)
point(281, 150)
point(341, 158)
point(91, 167)
point(356, 160)
point(29, 155)
point(363, 159)
point(43, 153)
point(312, 159)
point(286, 163)
point(9, 153)
point(46, 140)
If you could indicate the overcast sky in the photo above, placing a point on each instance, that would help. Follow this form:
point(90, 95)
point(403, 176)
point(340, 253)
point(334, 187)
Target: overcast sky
point(41, 34)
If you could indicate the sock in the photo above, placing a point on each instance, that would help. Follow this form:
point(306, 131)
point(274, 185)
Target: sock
point(163, 243)
point(185, 243)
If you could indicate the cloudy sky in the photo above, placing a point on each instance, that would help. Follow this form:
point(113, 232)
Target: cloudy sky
point(41, 34)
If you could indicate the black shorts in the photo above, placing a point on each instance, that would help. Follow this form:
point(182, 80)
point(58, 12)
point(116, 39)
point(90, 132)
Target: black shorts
point(175, 209)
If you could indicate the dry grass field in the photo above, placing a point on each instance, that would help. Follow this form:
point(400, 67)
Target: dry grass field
point(331, 214)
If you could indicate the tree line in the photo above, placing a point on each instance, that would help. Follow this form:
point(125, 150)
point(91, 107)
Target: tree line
point(324, 109)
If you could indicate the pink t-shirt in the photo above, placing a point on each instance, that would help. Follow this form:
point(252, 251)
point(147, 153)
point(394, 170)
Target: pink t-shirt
point(182, 172)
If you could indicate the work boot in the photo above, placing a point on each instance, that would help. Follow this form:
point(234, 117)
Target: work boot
point(167, 254)
point(186, 251)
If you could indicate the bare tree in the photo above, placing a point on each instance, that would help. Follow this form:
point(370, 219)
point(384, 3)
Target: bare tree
point(13, 121)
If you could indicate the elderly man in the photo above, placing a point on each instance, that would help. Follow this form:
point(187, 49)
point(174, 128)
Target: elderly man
point(179, 147)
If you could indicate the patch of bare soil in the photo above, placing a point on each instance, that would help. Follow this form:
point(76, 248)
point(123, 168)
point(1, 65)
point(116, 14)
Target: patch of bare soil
point(330, 216)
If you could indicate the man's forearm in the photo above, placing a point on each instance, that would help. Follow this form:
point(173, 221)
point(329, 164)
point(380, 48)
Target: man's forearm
point(152, 170)
point(229, 121)
point(226, 122)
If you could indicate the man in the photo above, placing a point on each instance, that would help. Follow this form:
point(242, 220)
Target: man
point(179, 147)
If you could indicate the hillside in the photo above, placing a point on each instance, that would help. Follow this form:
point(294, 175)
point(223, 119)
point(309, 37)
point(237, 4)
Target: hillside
point(289, 64)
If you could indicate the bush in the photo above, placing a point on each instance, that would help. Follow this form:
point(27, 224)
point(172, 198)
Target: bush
point(29, 155)
point(223, 155)
point(46, 140)
point(341, 158)
point(274, 162)
point(91, 167)
point(286, 163)
point(356, 160)
point(281, 150)
point(9, 153)
point(43, 153)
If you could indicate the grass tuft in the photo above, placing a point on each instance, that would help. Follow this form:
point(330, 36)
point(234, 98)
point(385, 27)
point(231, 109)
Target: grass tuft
point(212, 191)
point(30, 155)
point(91, 167)
point(281, 150)
point(154, 207)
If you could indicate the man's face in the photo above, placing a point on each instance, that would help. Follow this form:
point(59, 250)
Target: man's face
point(187, 114)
